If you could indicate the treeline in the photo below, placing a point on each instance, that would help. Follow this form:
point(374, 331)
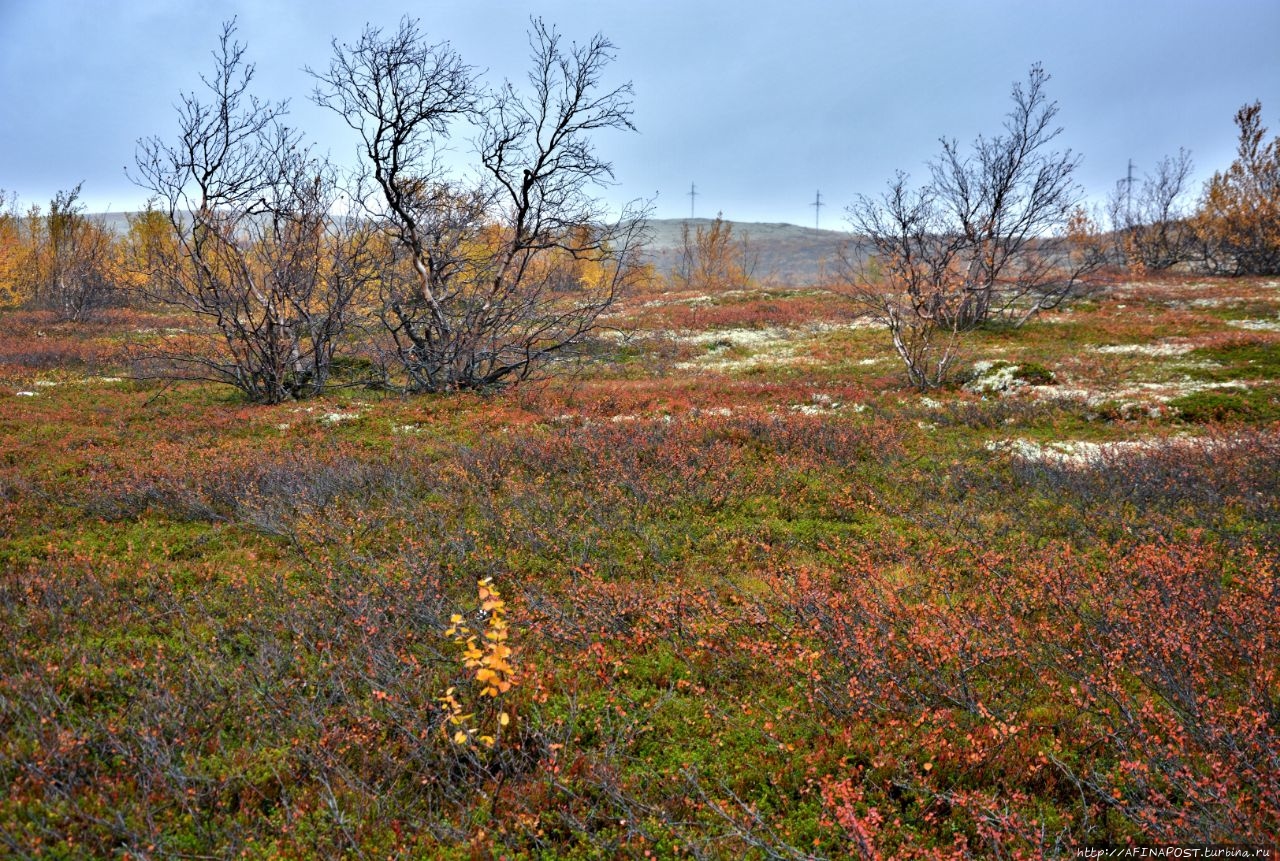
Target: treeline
point(452, 280)
point(63, 260)
point(427, 279)
point(1234, 228)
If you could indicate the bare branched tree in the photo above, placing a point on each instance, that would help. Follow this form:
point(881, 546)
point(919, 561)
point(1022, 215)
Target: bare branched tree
point(1153, 228)
point(996, 234)
point(510, 270)
point(256, 252)
point(1007, 201)
point(912, 280)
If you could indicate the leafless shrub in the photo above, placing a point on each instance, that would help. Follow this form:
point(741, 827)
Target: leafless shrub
point(996, 233)
point(255, 252)
point(1153, 230)
point(486, 282)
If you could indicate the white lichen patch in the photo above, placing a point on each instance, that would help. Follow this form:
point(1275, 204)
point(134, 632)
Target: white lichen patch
point(25, 394)
point(821, 403)
point(45, 384)
point(1058, 393)
point(777, 353)
point(1082, 454)
point(746, 339)
point(1145, 396)
point(1199, 365)
point(337, 417)
point(767, 336)
point(698, 299)
point(1164, 348)
point(776, 358)
point(767, 346)
point(992, 377)
point(1256, 325)
point(1209, 302)
point(1189, 386)
point(845, 326)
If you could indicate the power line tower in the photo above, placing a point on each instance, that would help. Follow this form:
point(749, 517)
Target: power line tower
point(817, 207)
point(693, 196)
point(1127, 182)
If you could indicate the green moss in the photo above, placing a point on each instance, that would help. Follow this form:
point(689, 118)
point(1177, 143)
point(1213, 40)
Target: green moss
point(1252, 309)
point(1035, 374)
point(1221, 405)
point(1248, 358)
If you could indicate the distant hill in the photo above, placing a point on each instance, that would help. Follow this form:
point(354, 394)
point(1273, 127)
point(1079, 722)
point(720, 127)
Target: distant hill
point(116, 222)
point(785, 253)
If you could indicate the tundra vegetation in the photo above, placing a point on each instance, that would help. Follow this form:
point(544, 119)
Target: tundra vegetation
point(731, 590)
point(998, 234)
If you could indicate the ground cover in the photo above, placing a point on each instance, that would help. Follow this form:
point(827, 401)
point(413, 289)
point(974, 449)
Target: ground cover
point(762, 599)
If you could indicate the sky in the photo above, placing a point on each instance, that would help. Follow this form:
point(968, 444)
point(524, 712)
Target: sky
point(761, 103)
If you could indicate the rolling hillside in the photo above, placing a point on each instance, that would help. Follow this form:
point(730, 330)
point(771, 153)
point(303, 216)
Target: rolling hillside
point(785, 253)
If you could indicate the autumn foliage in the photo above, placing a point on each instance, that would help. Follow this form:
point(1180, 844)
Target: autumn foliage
point(713, 615)
point(732, 591)
point(63, 260)
point(711, 259)
point(1239, 219)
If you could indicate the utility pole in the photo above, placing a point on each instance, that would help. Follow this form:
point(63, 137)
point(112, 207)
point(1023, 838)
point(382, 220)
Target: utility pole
point(817, 205)
point(693, 196)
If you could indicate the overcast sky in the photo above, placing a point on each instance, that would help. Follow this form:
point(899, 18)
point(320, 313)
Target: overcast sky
point(760, 103)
